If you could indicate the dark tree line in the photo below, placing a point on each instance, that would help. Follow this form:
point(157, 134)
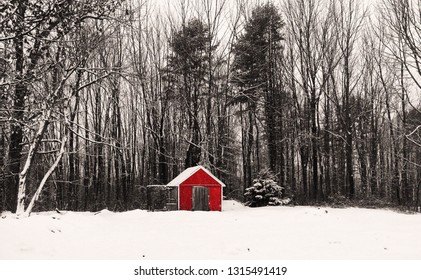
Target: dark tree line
point(101, 98)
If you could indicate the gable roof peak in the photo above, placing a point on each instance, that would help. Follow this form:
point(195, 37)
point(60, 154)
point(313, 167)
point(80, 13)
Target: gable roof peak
point(187, 173)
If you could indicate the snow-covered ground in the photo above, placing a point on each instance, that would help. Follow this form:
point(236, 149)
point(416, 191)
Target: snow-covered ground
point(236, 233)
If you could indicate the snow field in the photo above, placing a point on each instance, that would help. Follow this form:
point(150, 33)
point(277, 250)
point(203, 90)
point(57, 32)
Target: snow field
point(237, 232)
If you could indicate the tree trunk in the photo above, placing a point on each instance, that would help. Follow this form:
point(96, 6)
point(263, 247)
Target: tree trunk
point(46, 176)
point(20, 207)
point(373, 156)
point(20, 93)
point(404, 174)
point(2, 170)
point(314, 146)
point(349, 165)
point(249, 150)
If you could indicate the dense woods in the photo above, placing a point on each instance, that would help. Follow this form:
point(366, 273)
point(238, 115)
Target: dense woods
point(99, 99)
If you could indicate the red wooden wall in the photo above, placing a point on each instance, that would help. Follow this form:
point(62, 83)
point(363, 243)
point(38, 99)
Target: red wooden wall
point(200, 178)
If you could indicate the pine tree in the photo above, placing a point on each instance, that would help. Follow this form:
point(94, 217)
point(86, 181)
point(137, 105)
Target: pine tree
point(257, 76)
point(265, 191)
point(189, 64)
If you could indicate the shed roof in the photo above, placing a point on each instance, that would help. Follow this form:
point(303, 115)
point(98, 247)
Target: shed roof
point(183, 176)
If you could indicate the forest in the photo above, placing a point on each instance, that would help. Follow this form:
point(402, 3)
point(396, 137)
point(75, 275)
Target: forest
point(100, 98)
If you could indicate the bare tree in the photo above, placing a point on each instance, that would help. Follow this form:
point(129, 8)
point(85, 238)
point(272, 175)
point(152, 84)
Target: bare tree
point(32, 38)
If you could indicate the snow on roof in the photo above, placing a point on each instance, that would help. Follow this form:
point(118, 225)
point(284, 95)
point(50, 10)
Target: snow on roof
point(189, 172)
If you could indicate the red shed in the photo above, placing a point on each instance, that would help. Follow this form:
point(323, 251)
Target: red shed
point(196, 188)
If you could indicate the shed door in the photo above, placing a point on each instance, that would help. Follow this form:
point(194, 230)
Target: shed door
point(200, 199)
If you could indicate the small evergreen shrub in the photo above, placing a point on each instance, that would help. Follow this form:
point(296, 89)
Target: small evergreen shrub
point(338, 200)
point(265, 191)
